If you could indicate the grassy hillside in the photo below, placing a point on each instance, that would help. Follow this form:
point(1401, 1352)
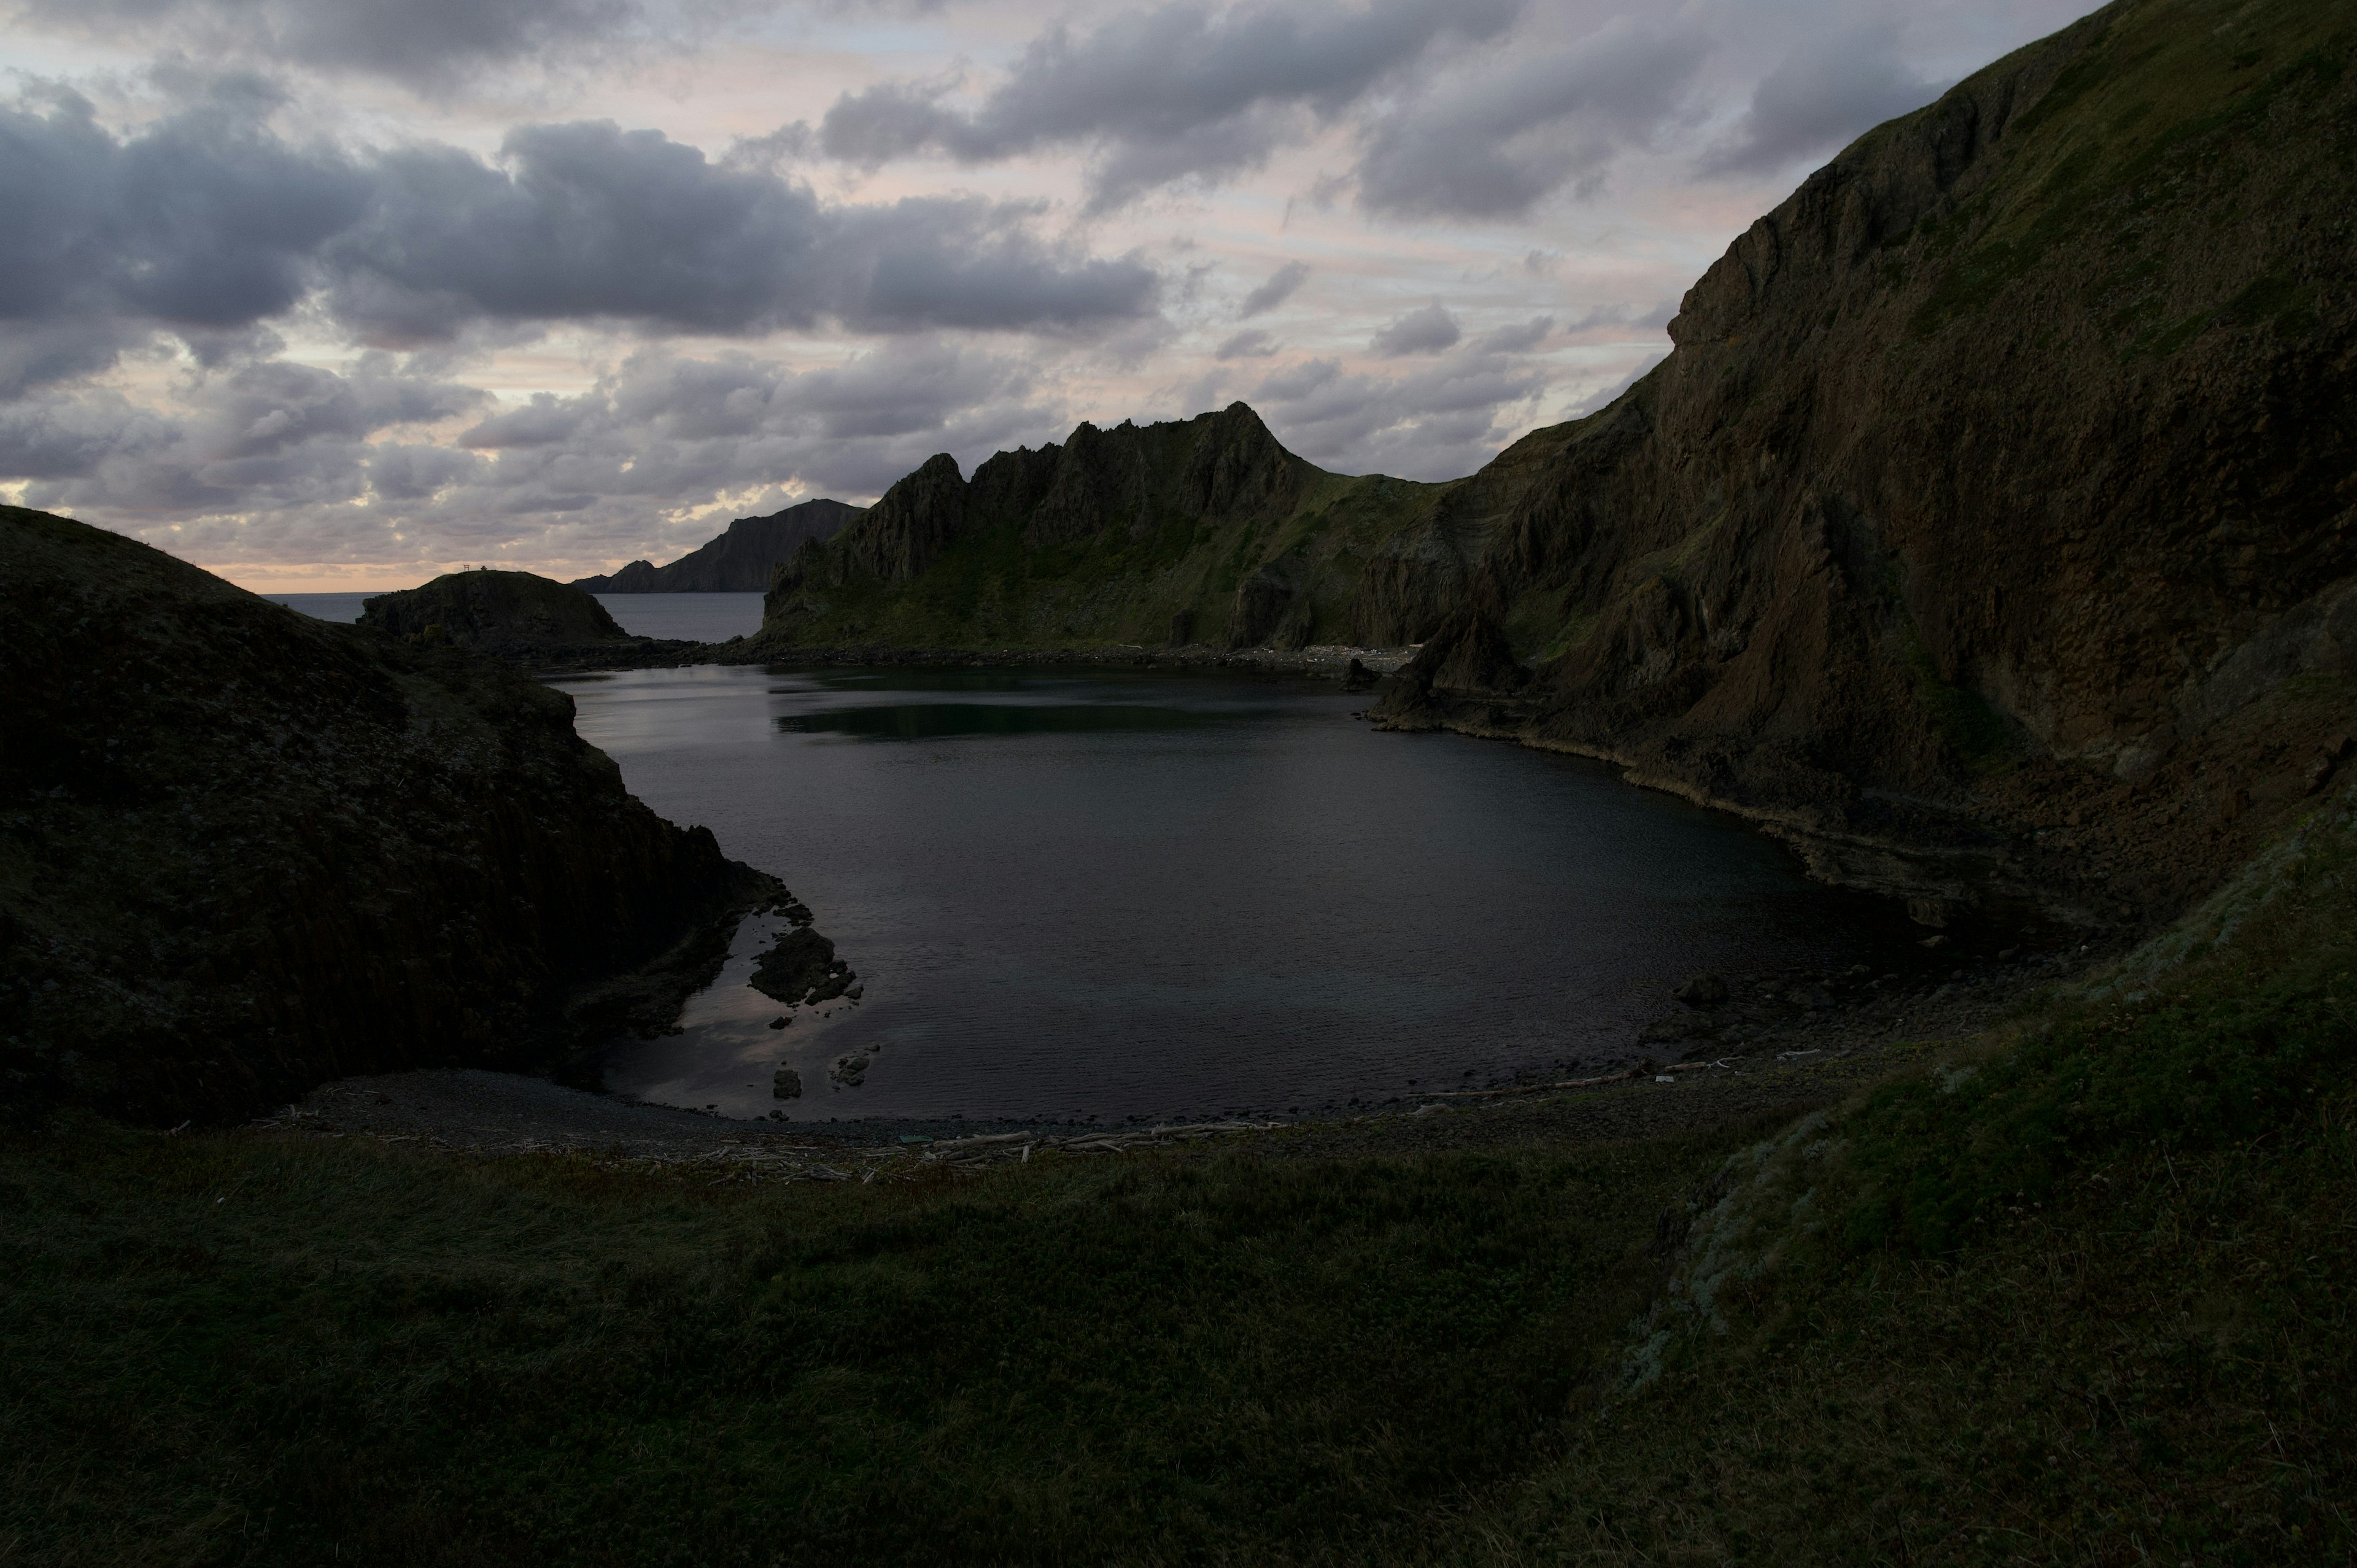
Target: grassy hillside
point(2081, 1291)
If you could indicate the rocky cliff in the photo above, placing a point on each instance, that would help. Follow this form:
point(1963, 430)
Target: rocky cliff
point(1997, 499)
point(1203, 530)
point(741, 560)
point(242, 850)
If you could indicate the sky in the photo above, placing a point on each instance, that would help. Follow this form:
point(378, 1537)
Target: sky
point(337, 294)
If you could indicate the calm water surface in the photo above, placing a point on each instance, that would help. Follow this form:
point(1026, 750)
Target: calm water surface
point(1075, 895)
point(696, 617)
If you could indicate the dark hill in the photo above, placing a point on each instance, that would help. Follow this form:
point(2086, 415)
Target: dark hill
point(1203, 530)
point(508, 613)
point(739, 560)
point(242, 850)
point(2000, 495)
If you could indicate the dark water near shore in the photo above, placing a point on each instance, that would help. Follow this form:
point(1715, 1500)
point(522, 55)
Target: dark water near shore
point(1113, 895)
point(690, 618)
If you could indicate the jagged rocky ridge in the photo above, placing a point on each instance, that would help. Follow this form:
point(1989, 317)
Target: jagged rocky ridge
point(740, 559)
point(1199, 531)
point(242, 852)
point(1996, 497)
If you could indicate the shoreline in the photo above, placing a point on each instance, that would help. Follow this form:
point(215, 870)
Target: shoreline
point(1792, 1051)
point(1321, 660)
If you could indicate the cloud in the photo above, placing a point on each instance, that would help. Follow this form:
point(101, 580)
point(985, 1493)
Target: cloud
point(1250, 344)
point(273, 461)
point(1280, 287)
point(1441, 421)
point(206, 222)
point(1427, 330)
point(1613, 323)
point(1519, 338)
point(1188, 90)
point(589, 221)
point(428, 44)
point(1820, 98)
point(1490, 143)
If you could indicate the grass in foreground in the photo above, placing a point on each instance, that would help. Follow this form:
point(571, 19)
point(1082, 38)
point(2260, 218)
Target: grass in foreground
point(2085, 1294)
point(237, 1350)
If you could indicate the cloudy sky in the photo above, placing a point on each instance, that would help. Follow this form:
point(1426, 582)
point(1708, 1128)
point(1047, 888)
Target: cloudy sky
point(337, 294)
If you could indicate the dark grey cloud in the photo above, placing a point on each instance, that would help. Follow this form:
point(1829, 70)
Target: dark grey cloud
point(258, 437)
point(1519, 339)
point(1281, 286)
point(423, 43)
point(1822, 95)
point(1492, 142)
point(203, 221)
point(1425, 330)
point(1250, 344)
point(589, 221)
point(1187, 89)
point(206, 223)
point(276, 461)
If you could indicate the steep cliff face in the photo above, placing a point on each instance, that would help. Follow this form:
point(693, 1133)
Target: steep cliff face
point(514, 614)
point(2011, 460)
point(1200, 530)
point(242, 850)
point(741, 560)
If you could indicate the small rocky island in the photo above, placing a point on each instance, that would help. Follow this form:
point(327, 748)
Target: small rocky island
point(513, 615)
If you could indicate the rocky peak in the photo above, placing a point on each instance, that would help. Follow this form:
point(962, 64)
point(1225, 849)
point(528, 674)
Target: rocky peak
point(904, 530)
point(1238, 470)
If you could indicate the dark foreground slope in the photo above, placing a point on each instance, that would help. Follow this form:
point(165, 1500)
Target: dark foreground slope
point(1199, 531)
point(2003, 476)
point(244, 851)
point(740, 559)
point(2083, 1294)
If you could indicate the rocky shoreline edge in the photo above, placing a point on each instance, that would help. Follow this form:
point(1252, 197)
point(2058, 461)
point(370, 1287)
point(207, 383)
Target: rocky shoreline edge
point(1323, 660)
point(1774, 1044)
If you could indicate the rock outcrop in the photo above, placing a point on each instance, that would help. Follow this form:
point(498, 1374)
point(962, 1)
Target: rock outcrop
point(1201, 527)
point(515, 615)
point(740, 559)
point(242, 850)
point(2005, 474)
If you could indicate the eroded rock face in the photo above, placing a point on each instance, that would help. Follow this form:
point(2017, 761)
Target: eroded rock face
point(2022, 437)
point(903, 531)
point(508, 613)
point(246, 851)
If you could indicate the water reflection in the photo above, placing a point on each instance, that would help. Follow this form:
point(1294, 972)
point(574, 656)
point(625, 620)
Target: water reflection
point(1124, 893)
point(936, 721)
